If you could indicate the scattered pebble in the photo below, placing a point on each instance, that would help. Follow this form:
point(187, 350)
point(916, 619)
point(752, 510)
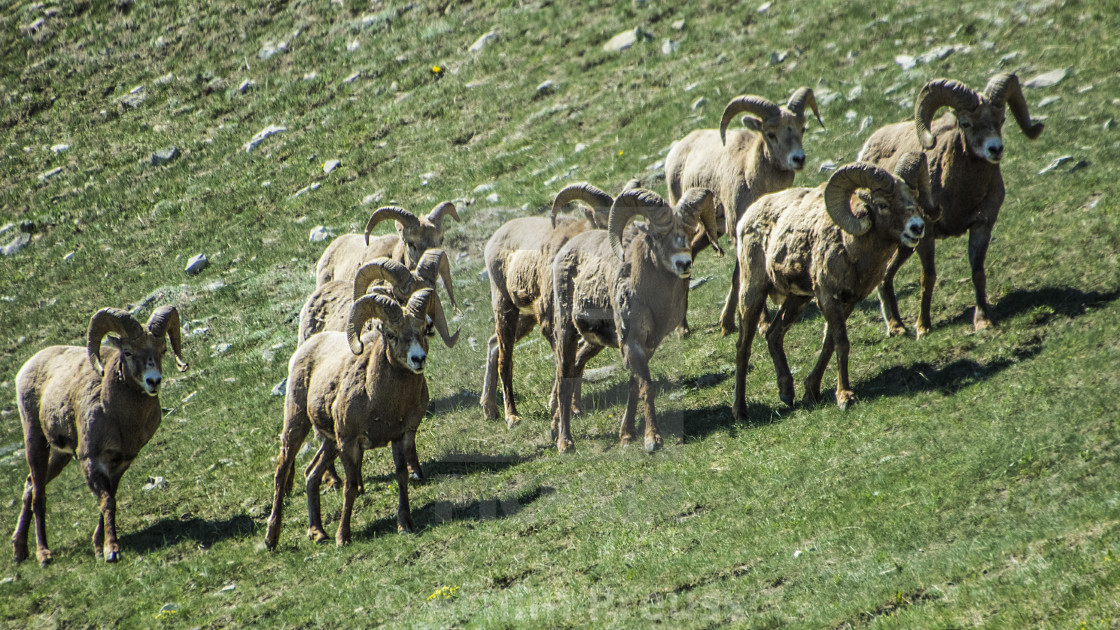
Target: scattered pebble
point(492, 198)
point(305, 189)
point(44, 176)
point(164, 156)
point(827, 165)
point(907, 62)
point(699, 282)
point(19, 242)
point(482, 41)
point(622, 41)
point(261, 135)
point(698, 103)
point(482, 188)
point(68, 257)
point(281, 388)
point(1046, 79)
point(270, 50)
point(59, 148)
point(678, 25)
point(220, 348)
point(155, 483)
point(245, 85)
point(670, 46)
point(196, 264)
point(330, 165)
point(319, 234)
point(353, 45)
point(764, 7)
point(1055, 164)
point(545, 87)
point(1049, 100)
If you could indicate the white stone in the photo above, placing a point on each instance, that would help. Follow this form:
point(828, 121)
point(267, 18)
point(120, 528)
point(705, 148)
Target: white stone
point(196, 264)
point(482, 41)
point(59, 148)
point(622, 41)
point(492, 198)
point(330, 165)
point(270, 130)
point(906, 61)
point(669, 47)
point(319, 234)
point(1046, 79)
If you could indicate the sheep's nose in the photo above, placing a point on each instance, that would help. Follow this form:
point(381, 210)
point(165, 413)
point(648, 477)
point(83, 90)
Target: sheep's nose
point(418, 359)
point(684, 267)
point(797, 159)
point(916, 227)
point(995, 151)
point(153, 382)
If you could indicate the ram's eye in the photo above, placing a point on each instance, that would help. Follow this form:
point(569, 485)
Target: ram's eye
point(965, 124)
point(771, 135)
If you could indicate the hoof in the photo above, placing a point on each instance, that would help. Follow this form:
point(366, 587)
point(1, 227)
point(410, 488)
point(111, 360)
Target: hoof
point(897, 330)
point(982, 324)
point(565, 446)
point(413, 475)
point(342, 541)
point(19, 552)
point(653, 443)
point(845, 400)
point(512, 421)
point(44, 556)
point(112, 556)
point(728, 329)
point(625, 439)
point(490, 411)
point(739, 414)
point(683, 331)
point(787, 399)
point(317, 535)
point(405, 528)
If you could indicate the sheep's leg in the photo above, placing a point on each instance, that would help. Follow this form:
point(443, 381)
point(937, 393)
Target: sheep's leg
point(926, 250)
point(775, 341)
point(488, 400)
point(325, 457)
point(730, 304)
point(56, 462)
point(888, 301)
point(290, 441)
point(584, 353)
point(415, 471)
point(565, 383)
point(404, 515)
point(351, 453)
point(979, 237)
point(752, 301)
point(683, 329)
point(105, 534)
point(636, 358)
point(19, 537)
point(627, 428)
point(508, 320)
point(813, 381)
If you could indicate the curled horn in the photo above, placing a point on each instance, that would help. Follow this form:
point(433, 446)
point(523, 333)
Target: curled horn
point(417, 306)
point(697, 205)
point(439, 320)
point(435, 262)
point(913, 168)
point(400, 215)
point(369, 307)
point(165, 321)
point(630, 204)
point(756, 105)
point(385, 269)
point(599, 201)
point(105, 321)
point(935, 95)
point(838, 193)
point(800, 98)
point(435, 217)
point(1004, 89)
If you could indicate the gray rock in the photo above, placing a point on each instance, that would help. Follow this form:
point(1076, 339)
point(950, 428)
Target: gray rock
point(196, 264)
point(827, 165)
point(164, 156)
point(623, 40)
point(1046, 79)
point(68, 257)
point(482, 188)
point(281, 388)
point(855, 93)
point(601, 374)
point(353, 77)
point(220, 348)
point(907, 62)
point(678, 25)
point(19, 242)
point(155, 483)
point(306, 189)
point(484, 275)
point(482, 41)
point(1049, 100)
point(492, 198)
point(825, 96)
point(764, 7)
point(865, 123)
point(670, 46)
point(1055, 164)
point(59, 148)
point(245, 85)
point(373, 198)
point(330, 165)
point(545, 87)
point(270, 50)
point(698, 103)
point(696, 283)
point(44, 176)
point(319, 234)
point(778, 57)
point(473, 343)
point(261, 135)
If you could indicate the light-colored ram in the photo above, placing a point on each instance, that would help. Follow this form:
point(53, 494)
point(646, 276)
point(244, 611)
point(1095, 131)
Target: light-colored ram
point(98, 406)
point(964, 148)
point(740, 165)
point(831, 244)
point(358, 392)
point(519, 260)
point(605, 295)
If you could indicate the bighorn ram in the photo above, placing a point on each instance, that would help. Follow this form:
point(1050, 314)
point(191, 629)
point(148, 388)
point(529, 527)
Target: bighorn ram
point(831, 243)
point(964, 148)
point(358, 391)
point(100, 408)
point(519, 259)
point(329, 305)
point(629, 299)
point(415, 236)
point(740, 165)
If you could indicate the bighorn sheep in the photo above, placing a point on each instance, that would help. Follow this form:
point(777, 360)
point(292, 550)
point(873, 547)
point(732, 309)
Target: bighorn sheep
point(519, 259)
point(329, 305)
point(358, 391)
point(806, 243)
point(100, 408)
point(739, 166)
point(415, 235)
point(964, 148)
point(630, 299)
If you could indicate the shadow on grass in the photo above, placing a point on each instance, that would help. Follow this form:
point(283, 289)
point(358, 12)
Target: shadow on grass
point(949, 379)
point(1063, 300)
point(438, 512)
point(170, 531)
point(700, 423)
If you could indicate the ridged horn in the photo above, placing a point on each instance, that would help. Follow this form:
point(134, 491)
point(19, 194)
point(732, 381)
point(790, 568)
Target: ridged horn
point(630, 204)
point(697, 206)
point(800, 98)
point(417, 306)
point(435, 263)
point(165, 321)
point(1004, 89)
point(369, 307)
point(599, 201)
point(105, 321)
point(838, 193)
point(749, 104)
point(435, 217)
point(913, 168)
point(935, 95)
point(400, 215)
point(385, 269)
point(439, 320)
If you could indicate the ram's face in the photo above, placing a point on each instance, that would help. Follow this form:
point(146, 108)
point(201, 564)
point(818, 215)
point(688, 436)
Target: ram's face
point(982, 130)
point(783, 140)
point(420, 239)
point(142, 363)
point(407, 344)
point(897, 214)
point(673, 250)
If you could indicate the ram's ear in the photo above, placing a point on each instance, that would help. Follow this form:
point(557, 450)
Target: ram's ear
point(752, 123)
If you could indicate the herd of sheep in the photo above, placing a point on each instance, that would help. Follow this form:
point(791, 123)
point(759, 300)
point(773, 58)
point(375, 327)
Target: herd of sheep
point(357, 376)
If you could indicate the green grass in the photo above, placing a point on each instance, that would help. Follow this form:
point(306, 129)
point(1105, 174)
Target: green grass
point(975, 483)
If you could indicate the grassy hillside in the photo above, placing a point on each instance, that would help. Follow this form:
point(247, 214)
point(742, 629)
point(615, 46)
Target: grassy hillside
point(974, 484)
